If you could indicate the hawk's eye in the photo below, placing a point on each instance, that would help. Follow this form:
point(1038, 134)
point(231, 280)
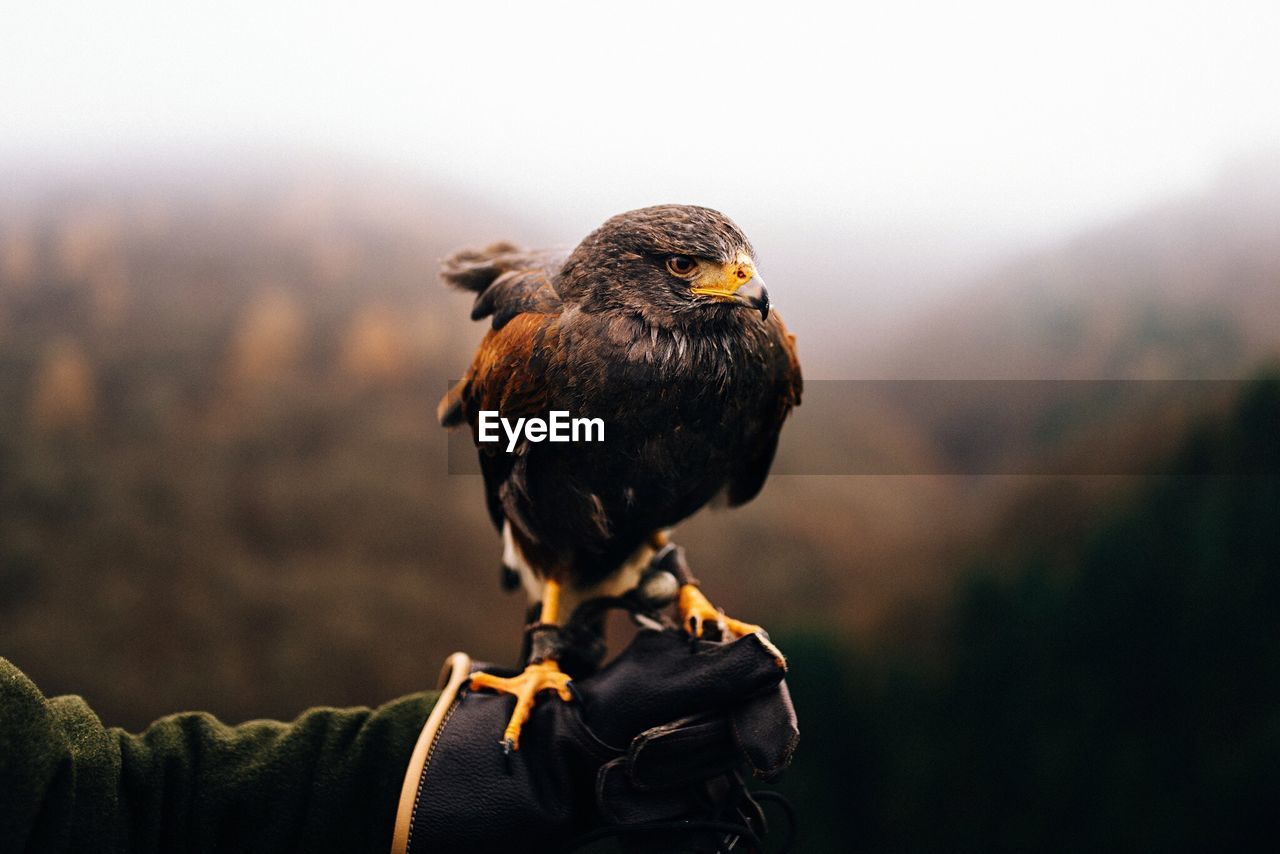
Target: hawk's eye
point(682, 266)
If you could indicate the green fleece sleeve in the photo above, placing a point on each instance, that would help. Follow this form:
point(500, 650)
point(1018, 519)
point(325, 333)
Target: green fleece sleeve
point(328, 781)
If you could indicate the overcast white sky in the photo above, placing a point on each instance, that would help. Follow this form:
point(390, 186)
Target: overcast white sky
point(1021, 118)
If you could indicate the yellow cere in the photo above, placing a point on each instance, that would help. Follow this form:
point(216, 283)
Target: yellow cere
point(723, 280)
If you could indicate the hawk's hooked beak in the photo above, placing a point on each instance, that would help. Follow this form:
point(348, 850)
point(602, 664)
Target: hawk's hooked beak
point(735, 282)
point(753, 294)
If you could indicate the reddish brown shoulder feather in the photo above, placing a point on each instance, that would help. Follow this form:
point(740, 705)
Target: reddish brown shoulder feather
point(503, 376)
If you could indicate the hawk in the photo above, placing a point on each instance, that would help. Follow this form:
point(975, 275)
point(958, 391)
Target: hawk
point(659, 325)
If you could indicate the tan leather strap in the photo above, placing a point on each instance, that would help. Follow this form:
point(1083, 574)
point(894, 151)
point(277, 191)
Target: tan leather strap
point(454, 675)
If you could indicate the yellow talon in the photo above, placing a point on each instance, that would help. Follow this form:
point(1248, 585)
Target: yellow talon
point(696, 611)
point(536, 678)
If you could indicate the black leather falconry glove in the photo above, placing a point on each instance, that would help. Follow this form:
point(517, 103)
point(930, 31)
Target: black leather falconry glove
point(650, 751)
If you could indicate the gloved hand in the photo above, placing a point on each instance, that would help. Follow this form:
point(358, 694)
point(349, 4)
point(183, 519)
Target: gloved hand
point(657, 736)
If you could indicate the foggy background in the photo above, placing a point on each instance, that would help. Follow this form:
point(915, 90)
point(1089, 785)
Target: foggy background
point(222, 341)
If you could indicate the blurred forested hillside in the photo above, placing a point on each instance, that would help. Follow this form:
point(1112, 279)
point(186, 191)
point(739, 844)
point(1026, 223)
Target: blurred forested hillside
point(1120, 693)
point(222, 485)
point(1184, 289)
point(222, 481)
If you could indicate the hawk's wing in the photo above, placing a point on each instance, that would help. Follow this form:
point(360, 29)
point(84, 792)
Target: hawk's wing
point(509, 373)
point(784, 374)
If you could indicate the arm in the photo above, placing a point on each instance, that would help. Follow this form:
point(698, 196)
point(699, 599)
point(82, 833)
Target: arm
point(329, 780)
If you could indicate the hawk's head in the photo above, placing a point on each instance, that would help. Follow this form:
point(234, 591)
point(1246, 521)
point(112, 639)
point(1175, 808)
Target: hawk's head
point(666, 261)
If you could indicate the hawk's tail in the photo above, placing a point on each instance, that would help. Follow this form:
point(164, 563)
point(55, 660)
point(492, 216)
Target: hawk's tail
point(506, 280)
point(477, 269)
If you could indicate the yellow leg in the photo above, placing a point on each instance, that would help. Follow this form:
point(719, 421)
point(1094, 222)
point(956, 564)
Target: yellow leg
point(539, 676)
point(696, 611)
